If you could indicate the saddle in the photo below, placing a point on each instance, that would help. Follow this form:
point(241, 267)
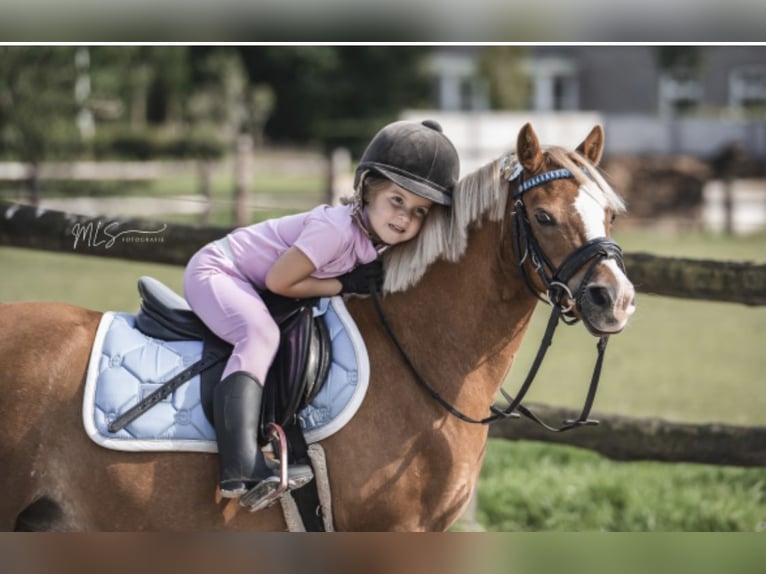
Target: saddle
point(300, 366)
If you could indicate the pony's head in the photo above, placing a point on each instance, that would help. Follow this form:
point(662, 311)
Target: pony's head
point(559, 211)
point(562, 213)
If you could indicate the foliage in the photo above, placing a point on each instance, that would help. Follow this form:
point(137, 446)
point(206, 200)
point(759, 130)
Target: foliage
point(509, 87)
point(672, 58)
point(327, 95)
point(139, 84)
point(338, 95)
point(151, 143)
point(37, 107)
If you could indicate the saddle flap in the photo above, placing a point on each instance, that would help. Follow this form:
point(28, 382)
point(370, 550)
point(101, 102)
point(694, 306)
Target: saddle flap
point(166, 315)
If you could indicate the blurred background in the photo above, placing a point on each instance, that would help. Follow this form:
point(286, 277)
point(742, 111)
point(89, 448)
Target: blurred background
point(228, 135)
point(392, 21)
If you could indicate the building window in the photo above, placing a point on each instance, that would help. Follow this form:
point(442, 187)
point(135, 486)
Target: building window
point(555, 86)
point(747, 88)
point(680, 92)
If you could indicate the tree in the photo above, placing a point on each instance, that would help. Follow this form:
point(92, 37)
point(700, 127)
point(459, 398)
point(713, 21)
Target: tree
point(37, 104)
point(338, 95)
point(38, 111)
point(509, 87)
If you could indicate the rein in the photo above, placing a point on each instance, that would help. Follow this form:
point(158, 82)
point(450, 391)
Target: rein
point(525, 246)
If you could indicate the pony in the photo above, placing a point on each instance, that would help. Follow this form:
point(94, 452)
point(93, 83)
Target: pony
point(459, 300)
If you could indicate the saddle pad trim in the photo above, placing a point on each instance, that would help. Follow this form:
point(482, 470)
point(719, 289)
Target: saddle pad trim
point(129, 445)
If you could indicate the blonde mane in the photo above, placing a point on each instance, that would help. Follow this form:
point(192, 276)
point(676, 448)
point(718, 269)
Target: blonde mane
point(483, 193)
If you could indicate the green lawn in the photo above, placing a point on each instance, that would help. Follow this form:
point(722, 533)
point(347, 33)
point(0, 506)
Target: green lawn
point(534, 486)
point(681, 360)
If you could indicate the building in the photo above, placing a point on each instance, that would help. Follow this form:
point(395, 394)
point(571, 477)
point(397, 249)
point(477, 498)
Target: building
point(654, 99)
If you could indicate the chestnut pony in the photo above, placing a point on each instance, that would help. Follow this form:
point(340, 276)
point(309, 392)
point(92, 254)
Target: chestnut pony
point(459, 304)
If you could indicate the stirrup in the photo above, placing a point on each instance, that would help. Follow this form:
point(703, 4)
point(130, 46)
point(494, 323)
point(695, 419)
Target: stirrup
point(267, 492)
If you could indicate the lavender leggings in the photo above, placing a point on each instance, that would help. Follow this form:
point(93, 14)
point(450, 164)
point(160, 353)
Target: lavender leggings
point(231, 307)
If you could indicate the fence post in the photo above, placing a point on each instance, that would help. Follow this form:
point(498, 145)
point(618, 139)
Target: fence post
point(243, 180)
point(205, 190)
point(339, 182)
point(33, 183)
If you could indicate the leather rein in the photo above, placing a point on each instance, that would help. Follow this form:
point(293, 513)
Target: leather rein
point(558, 295)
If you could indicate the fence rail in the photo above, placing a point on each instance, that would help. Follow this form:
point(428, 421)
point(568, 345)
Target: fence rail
point(617, 437)
point(26, 226)
point(627, 438)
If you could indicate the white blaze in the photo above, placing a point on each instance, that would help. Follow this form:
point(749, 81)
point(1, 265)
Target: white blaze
point(592, 214)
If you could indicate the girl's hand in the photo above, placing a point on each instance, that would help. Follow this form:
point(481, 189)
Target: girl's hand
point(290, 276)
point(359, 279)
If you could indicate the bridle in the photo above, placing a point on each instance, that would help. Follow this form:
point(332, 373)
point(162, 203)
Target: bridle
point(555, 281)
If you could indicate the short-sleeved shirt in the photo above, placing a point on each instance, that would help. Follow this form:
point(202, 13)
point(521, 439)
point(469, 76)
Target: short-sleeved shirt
point(327, 235)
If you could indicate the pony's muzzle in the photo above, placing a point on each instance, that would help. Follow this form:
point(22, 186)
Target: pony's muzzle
point(606, 308)
point(600, 296)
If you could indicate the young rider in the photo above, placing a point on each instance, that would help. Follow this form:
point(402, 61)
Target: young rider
point(406, 168)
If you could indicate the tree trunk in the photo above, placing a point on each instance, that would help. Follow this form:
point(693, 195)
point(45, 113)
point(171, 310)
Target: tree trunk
point(205, 190)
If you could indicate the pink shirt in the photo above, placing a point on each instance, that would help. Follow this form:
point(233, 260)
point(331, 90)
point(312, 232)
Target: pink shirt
point(327, 235)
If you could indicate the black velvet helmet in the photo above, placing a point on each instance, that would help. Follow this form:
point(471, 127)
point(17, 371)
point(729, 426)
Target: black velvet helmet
point(417, 157)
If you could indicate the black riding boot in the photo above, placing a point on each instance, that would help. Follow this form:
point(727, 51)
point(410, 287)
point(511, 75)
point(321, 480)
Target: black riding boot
point(236, 412)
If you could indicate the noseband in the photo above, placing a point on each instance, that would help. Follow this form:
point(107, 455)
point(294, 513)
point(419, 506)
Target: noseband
point(555, 280)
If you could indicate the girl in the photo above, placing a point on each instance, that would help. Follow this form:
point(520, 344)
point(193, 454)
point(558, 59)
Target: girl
point(406, 168)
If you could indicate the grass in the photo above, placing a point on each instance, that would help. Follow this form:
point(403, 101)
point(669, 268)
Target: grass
point(531, 486)
point(682, 360)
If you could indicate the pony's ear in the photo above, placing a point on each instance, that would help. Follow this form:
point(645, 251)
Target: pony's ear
point(593, 145)
point(528, 149)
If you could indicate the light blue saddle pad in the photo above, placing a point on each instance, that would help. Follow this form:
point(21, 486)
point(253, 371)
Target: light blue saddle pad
point(126, 365)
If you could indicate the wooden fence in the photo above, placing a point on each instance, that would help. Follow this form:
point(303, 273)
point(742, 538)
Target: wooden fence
point(624, 439)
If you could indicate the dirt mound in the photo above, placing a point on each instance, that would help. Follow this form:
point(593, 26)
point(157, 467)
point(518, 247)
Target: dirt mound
point(654, 187)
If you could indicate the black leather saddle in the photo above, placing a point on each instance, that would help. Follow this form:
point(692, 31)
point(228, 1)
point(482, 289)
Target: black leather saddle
point(299, 369)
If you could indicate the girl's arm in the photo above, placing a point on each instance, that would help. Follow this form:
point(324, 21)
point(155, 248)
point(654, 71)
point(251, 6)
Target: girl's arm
point(290, 276)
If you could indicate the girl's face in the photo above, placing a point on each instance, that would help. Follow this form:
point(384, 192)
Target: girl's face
point(396, 215)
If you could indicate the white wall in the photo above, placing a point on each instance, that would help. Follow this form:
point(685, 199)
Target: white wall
point(481, 137)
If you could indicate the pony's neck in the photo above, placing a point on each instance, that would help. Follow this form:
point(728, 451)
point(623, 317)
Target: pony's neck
point(471, 317)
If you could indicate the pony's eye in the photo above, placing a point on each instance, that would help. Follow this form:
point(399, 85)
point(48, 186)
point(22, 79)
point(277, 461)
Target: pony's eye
point(544, 218)
point(612, 218)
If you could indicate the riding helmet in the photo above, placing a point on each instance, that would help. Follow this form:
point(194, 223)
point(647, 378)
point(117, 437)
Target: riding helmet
point(417, 157)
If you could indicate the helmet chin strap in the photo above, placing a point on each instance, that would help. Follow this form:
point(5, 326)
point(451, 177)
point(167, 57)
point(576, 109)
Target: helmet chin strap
point(359, 215)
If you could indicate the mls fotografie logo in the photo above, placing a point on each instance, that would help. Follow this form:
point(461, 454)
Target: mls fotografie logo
point(106, 235)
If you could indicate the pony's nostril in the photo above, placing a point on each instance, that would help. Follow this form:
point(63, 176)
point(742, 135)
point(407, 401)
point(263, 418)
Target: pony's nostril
point(599, 296)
